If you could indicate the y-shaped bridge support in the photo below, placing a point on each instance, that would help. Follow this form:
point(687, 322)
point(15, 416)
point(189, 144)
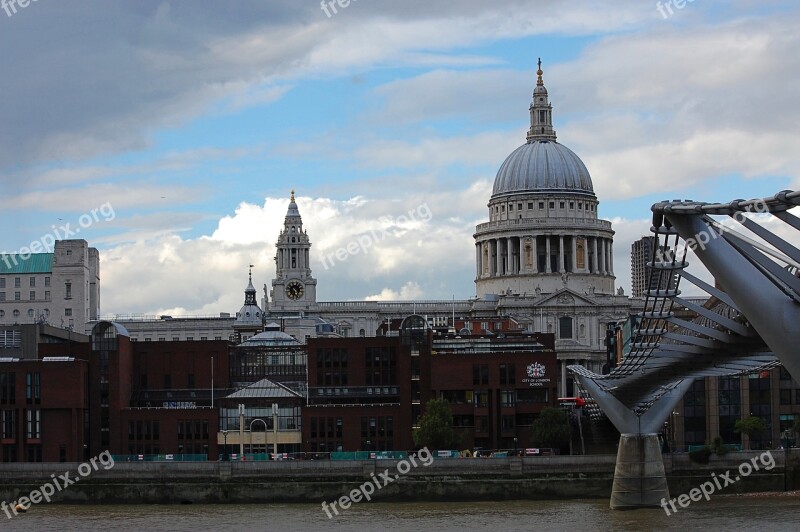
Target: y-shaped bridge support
point(639, 477)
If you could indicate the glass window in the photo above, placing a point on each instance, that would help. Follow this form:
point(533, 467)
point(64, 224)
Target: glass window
point(565, 327)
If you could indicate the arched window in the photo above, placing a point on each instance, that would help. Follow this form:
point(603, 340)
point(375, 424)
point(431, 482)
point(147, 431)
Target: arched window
point(362, 333)
point(564, 327)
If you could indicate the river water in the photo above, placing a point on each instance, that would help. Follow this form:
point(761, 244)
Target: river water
point(763, 513)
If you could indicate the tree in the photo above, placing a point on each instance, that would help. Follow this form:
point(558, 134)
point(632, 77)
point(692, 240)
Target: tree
point(751, 425)
point(436, 427)
point(551, 428)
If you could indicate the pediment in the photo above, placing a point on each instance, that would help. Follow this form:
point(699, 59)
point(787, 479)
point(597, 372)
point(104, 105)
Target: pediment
point(566, 297)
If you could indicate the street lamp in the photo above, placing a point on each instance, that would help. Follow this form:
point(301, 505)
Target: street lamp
point(225, 445)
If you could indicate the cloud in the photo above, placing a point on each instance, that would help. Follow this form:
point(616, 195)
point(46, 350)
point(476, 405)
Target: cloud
point(417, 239)
point(408, 291)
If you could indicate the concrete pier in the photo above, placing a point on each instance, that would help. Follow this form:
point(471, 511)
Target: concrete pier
point(639, 477)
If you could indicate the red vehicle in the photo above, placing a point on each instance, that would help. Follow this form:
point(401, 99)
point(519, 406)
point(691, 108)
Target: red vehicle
point(571, 402)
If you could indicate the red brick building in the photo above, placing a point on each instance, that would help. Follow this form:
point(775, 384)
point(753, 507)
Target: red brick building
point(496, 387)
point(360, 394)
point(88, 394)
point(369, 393)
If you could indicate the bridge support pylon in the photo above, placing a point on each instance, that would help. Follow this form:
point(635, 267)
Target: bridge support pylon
point(640, 480)
point(639, 477)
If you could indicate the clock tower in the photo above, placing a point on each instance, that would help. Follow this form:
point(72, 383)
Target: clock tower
point(293, 289)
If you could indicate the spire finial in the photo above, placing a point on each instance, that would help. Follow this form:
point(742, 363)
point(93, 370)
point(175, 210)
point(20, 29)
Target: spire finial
point(292, 200)
point(540, 81)
point(250, 273)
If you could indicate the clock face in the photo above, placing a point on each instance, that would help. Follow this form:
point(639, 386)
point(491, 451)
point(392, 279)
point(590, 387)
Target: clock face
point(294, 290)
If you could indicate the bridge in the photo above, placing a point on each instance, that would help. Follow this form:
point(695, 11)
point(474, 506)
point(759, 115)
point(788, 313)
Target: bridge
point(748, 323)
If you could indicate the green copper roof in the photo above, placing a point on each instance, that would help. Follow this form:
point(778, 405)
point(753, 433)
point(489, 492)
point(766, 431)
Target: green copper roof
point(36, 263)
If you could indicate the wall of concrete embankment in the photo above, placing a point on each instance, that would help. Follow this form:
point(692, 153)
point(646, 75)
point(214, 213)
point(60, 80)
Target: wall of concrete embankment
point(556, 477)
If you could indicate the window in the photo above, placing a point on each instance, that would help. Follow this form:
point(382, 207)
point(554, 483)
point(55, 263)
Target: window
point(481, 399)
point(519, 206)
point(33, 420)
point(47, 295)
point(67, 290)
point(32, 281)
point(190, 380)
point(16, 282)
point(33, 295)
point(480, 374)
point(552, 204)
point(67, 312)
point(8, 425)
point(541, 205)
point(8, 390)
point(30, 312)
point(565, 327)
point(786, 396)
point(167, 382)
point(561, 204)
point(17, 296)
point(2, 296)
point(510, 207)
point(47, 281)
point(16, 313)
point(571, 204)
point(507, 374)
point(2, 282)
point(507, 398)
point(33, 388)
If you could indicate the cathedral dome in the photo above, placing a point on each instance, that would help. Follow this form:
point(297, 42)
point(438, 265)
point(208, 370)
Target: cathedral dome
point(543, 166)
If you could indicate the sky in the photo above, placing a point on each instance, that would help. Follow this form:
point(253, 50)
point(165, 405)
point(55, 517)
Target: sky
point(170, 133)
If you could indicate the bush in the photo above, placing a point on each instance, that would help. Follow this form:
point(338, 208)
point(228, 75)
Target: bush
point(719, 448)
point(700, 456)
